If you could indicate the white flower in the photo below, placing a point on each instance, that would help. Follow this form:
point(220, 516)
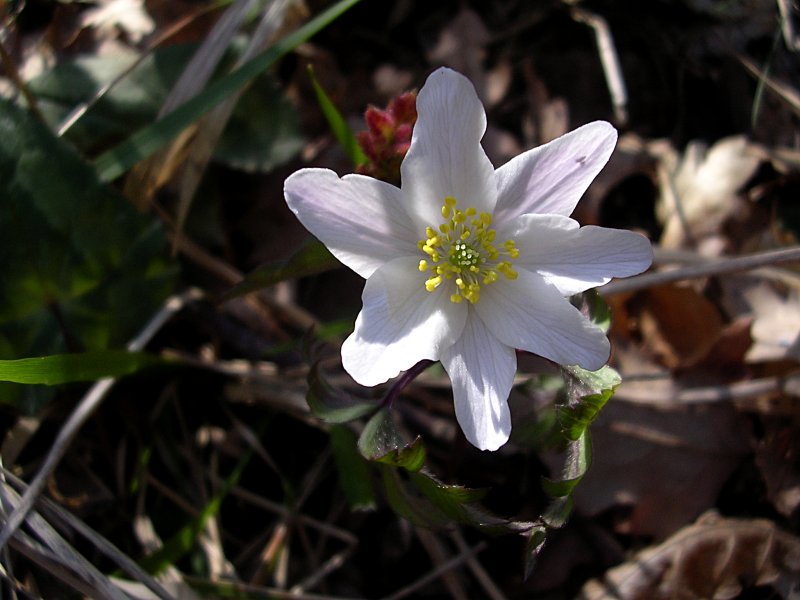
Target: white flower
point(465, 263)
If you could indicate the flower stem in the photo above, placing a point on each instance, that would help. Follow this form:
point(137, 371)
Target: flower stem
point(403, 381)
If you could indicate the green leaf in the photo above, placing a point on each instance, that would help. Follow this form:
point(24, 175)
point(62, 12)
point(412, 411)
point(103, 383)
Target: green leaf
point(536, 539)
point(312, 258)
point(382, 442)
point(427, 502)
point(409, 502)
point(588, 392)
point(337, 123)
point(410, 457)
point(67, 368)
point(333, 405)
point(81, 268)
point(263, 132)
point(354, 473)
point(558, 512)
point(151, 138)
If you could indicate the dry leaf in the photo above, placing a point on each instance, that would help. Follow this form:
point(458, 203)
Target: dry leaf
point(715, 558)
point(128, 16)
point(679, 324)
point(668, 463)
point(776, 325)
point(701, 192)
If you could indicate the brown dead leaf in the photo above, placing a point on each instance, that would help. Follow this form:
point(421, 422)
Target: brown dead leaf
point(715, 558)
point(679, 324)
point(726, 356)
point(700, 192)
point(668, 463)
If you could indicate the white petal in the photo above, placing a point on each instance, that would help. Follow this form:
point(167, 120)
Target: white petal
point(575, 259)
point(445, 157)
point(481, 369)
point(529, 314)
point(551, 179)
point(359, 219)
point(400, 324)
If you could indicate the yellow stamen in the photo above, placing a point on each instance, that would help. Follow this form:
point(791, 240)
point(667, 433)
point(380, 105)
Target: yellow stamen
point(462, 250)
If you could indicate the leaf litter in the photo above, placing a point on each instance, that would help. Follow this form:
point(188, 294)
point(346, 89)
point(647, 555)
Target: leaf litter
point(705, 417)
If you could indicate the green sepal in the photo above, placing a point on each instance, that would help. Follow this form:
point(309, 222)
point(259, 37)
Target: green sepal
point(382, 442)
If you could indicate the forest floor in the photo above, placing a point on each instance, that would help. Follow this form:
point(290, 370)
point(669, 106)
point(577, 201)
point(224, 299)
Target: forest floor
point(210, 471)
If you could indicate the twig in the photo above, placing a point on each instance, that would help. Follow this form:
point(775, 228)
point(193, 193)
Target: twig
point(84, 410)
point(489, 586)
point(443, 568)
point(786, 93)
point(439, 555)
point(712, 268)
point(231, 589)
point(329, 566)
point(81, 109)
point(610, 61)
point(734, 392)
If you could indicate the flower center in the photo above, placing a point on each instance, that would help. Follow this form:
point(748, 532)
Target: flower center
point(462, 251)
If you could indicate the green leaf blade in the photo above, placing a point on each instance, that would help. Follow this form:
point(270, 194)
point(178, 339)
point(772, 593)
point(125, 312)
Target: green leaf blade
point(71, 368)
point(336, 122)
point(151, 138)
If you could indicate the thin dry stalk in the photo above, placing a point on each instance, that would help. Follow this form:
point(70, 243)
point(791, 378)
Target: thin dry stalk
point(712, 268)
point(84, 410)
point(437, 572)
point(489, 586)
point(609, 58)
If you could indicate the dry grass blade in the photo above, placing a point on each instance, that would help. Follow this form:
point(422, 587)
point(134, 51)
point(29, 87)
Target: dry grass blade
point(79, 111)
point(66, 521)
point(211, 126)
point(55, 555)
point(787, 25)
point(83, 411)
point(148, 176)
point(785, 92)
